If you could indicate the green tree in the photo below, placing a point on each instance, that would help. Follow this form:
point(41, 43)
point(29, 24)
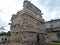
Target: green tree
point(8, 33)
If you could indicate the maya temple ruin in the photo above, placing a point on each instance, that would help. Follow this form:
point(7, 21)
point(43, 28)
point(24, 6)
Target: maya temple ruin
point(29, 28)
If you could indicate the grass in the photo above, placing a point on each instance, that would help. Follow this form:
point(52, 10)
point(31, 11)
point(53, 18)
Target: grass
point(53, 43)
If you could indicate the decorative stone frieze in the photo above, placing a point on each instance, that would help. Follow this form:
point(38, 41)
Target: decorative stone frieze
point(26, 25)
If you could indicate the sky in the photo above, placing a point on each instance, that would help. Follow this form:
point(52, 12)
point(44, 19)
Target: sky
point(49, 8)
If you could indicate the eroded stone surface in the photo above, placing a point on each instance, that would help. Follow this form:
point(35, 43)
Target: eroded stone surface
point(26, 25)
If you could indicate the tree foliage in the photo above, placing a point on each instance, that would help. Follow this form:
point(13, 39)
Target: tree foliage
point(5, 33)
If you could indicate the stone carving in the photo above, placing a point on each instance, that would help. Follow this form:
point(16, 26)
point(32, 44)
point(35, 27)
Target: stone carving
point(30, 6)
point(25, 27)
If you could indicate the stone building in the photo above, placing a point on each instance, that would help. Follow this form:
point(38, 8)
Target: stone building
point(27, 26)
point(4, 39)
point(53, 30)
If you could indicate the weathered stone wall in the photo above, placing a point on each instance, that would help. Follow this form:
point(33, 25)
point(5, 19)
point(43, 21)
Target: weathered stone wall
point(26, 25)
point(51, 37)
point(52, 30)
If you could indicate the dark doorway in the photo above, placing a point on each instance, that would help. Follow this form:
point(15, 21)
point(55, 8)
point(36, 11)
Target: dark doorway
point(40, 39)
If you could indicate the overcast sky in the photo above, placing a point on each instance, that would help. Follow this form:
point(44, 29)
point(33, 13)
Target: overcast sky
point(49, 8)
